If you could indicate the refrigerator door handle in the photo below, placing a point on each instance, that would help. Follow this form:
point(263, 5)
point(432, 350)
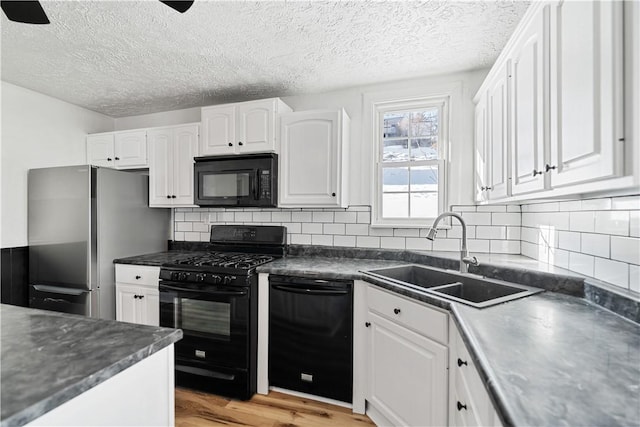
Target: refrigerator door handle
point(58, 290)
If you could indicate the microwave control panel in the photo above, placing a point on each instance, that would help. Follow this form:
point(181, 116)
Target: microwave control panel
point(265, 184)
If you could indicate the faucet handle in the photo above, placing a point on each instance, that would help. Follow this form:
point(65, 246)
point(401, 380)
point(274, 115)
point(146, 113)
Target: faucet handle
point(471, 260)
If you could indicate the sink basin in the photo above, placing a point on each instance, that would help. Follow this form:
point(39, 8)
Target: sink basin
point(483, 292)
point(464, 288)
point(414, 276)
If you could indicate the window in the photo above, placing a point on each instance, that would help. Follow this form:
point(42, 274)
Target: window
point(411, 146)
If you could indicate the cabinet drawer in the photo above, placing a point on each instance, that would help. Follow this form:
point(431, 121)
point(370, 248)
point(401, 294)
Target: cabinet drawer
point(467, 406)
point(137, 274)
point(424, 320)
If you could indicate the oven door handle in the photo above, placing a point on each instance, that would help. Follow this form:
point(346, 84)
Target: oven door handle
point(309, 290)
point(235, 292)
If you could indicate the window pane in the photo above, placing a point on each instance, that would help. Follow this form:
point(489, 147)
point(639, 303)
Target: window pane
point(395, 179)
point(395, 150)
point(424, 149)
point(424, 205)
point(424, 123)
point(424, 178)
point(395, 205)
point(396, 124)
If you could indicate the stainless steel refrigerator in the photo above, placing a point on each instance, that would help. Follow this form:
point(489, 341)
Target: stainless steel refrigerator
point(80, 218)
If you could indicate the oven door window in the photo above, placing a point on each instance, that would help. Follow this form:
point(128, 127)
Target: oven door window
point(208, 318)
point(226, 184)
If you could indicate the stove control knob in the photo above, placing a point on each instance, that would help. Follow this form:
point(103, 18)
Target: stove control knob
point(183, 276)
point(175, 275)
point(216, 279)
point(227, 280)
point(200, 277)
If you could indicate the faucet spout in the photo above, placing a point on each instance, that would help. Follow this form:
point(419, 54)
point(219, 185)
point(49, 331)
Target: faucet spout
point(465, 259)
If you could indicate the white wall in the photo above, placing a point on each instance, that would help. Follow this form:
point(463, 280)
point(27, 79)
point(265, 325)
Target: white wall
point(37, 131)
point(352, 100)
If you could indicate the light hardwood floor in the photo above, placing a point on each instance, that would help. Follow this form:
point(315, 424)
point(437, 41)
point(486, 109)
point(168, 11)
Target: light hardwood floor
point(196, 409)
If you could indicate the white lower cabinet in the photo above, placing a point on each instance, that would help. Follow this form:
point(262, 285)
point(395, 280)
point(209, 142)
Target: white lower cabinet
point(137, 295)
point(407, 361)
point(469, 402)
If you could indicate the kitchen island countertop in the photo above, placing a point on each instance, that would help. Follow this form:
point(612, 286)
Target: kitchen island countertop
point(48, 358)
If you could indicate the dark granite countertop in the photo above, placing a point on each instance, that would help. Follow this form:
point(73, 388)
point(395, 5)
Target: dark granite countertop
point(49, 358)
point(554, 358)
point(156, 259)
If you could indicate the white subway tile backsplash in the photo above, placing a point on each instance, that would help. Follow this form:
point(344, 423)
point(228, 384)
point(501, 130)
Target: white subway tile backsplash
point(544, 207)
point(418, 244)
point(580, 263)
point(626, 203)
point(559, 258)
point(613, 272)
point(184, 226)
point(346, 217)
point(191, 236)
point(281, 216)
point(634, 278)
point(461, 208)
point(530, 235)
point(333, 228)
point(446, 244)
point(363, 218)
point(311, 228)
point(491, 232)
point(455, 232)
point(625, 249)
point(360, 208)
point(178, 216)
point(406, 232)
point(505, 246)
point(367, 242)
point(612, 222)
point(243, 217)
point(192, 216)
point(569, 240)
point(300, 239)
point(506, 219)
point(574, 205)
point(392, 242)
point(322, 216)
point(477, 218)
point(357, 229)
point(293, 227)
point(529, 249)
point(492, 208)
point(582, 221)
point(481, 246)
point(349, 241)
point(226, 216)
point(178, 235)
point(386, 232)
point(301, 216)
point(634, 224)
point(513, 233)
point(514, 208)
point(596, 204)
point(595, 244)
point(322, 240)
point(200, 227)
point(262, 216)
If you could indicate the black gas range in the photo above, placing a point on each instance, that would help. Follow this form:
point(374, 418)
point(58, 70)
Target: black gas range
point(213, 297)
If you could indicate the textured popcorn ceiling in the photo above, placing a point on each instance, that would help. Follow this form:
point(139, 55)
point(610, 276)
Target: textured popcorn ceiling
point(124, 58)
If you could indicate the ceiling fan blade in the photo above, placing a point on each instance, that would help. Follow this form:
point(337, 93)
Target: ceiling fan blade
point(180, 6)
point(28, 12)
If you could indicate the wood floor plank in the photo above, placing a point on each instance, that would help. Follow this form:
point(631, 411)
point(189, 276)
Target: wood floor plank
point(197, 409)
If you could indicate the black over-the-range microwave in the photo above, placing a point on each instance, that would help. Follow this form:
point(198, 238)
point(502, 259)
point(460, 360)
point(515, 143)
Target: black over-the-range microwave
point(243, 180)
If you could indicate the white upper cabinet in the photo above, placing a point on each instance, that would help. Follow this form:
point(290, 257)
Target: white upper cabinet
point(120, 150)
point(559, 117)
point(496, 144)
point(313, 158)
point(481, 150)
point(245, 127)
point(171, 154)
point(528, 64)
point(586, 91)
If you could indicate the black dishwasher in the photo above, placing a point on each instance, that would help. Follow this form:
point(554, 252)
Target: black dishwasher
point(311, 336)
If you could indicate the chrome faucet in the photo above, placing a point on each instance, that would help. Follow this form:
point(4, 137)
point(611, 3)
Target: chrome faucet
point(465, 259)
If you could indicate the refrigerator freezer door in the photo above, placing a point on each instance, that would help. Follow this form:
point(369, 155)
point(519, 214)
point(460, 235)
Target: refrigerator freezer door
point(59, 232)
point(65, 300)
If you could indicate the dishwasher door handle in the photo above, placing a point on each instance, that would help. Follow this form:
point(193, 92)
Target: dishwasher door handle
point(310, 290)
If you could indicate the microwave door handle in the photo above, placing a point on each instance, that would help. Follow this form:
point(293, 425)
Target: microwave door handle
point(256, 188)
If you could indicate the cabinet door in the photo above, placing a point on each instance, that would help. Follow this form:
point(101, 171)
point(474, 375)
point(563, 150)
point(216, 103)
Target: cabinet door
point(218, 130)
point(149, 306)
point(131, 149)
point(497, 140)
point(127, 309)
point(309, 159)
point(529, 62)
point(100, 150)
point(255, 126)
point(586, 98)
point(160, 167)
point(185, 146)
point(480, 150)
point(407, 375)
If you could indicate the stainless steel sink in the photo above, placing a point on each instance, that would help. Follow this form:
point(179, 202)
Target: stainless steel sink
point(464, 288)
point(414, 276)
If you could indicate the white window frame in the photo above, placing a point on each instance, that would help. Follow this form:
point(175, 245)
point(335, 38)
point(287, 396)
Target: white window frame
point(378, 110)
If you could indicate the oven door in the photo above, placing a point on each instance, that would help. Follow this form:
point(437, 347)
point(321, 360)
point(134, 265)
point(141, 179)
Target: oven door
point(215, 324)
